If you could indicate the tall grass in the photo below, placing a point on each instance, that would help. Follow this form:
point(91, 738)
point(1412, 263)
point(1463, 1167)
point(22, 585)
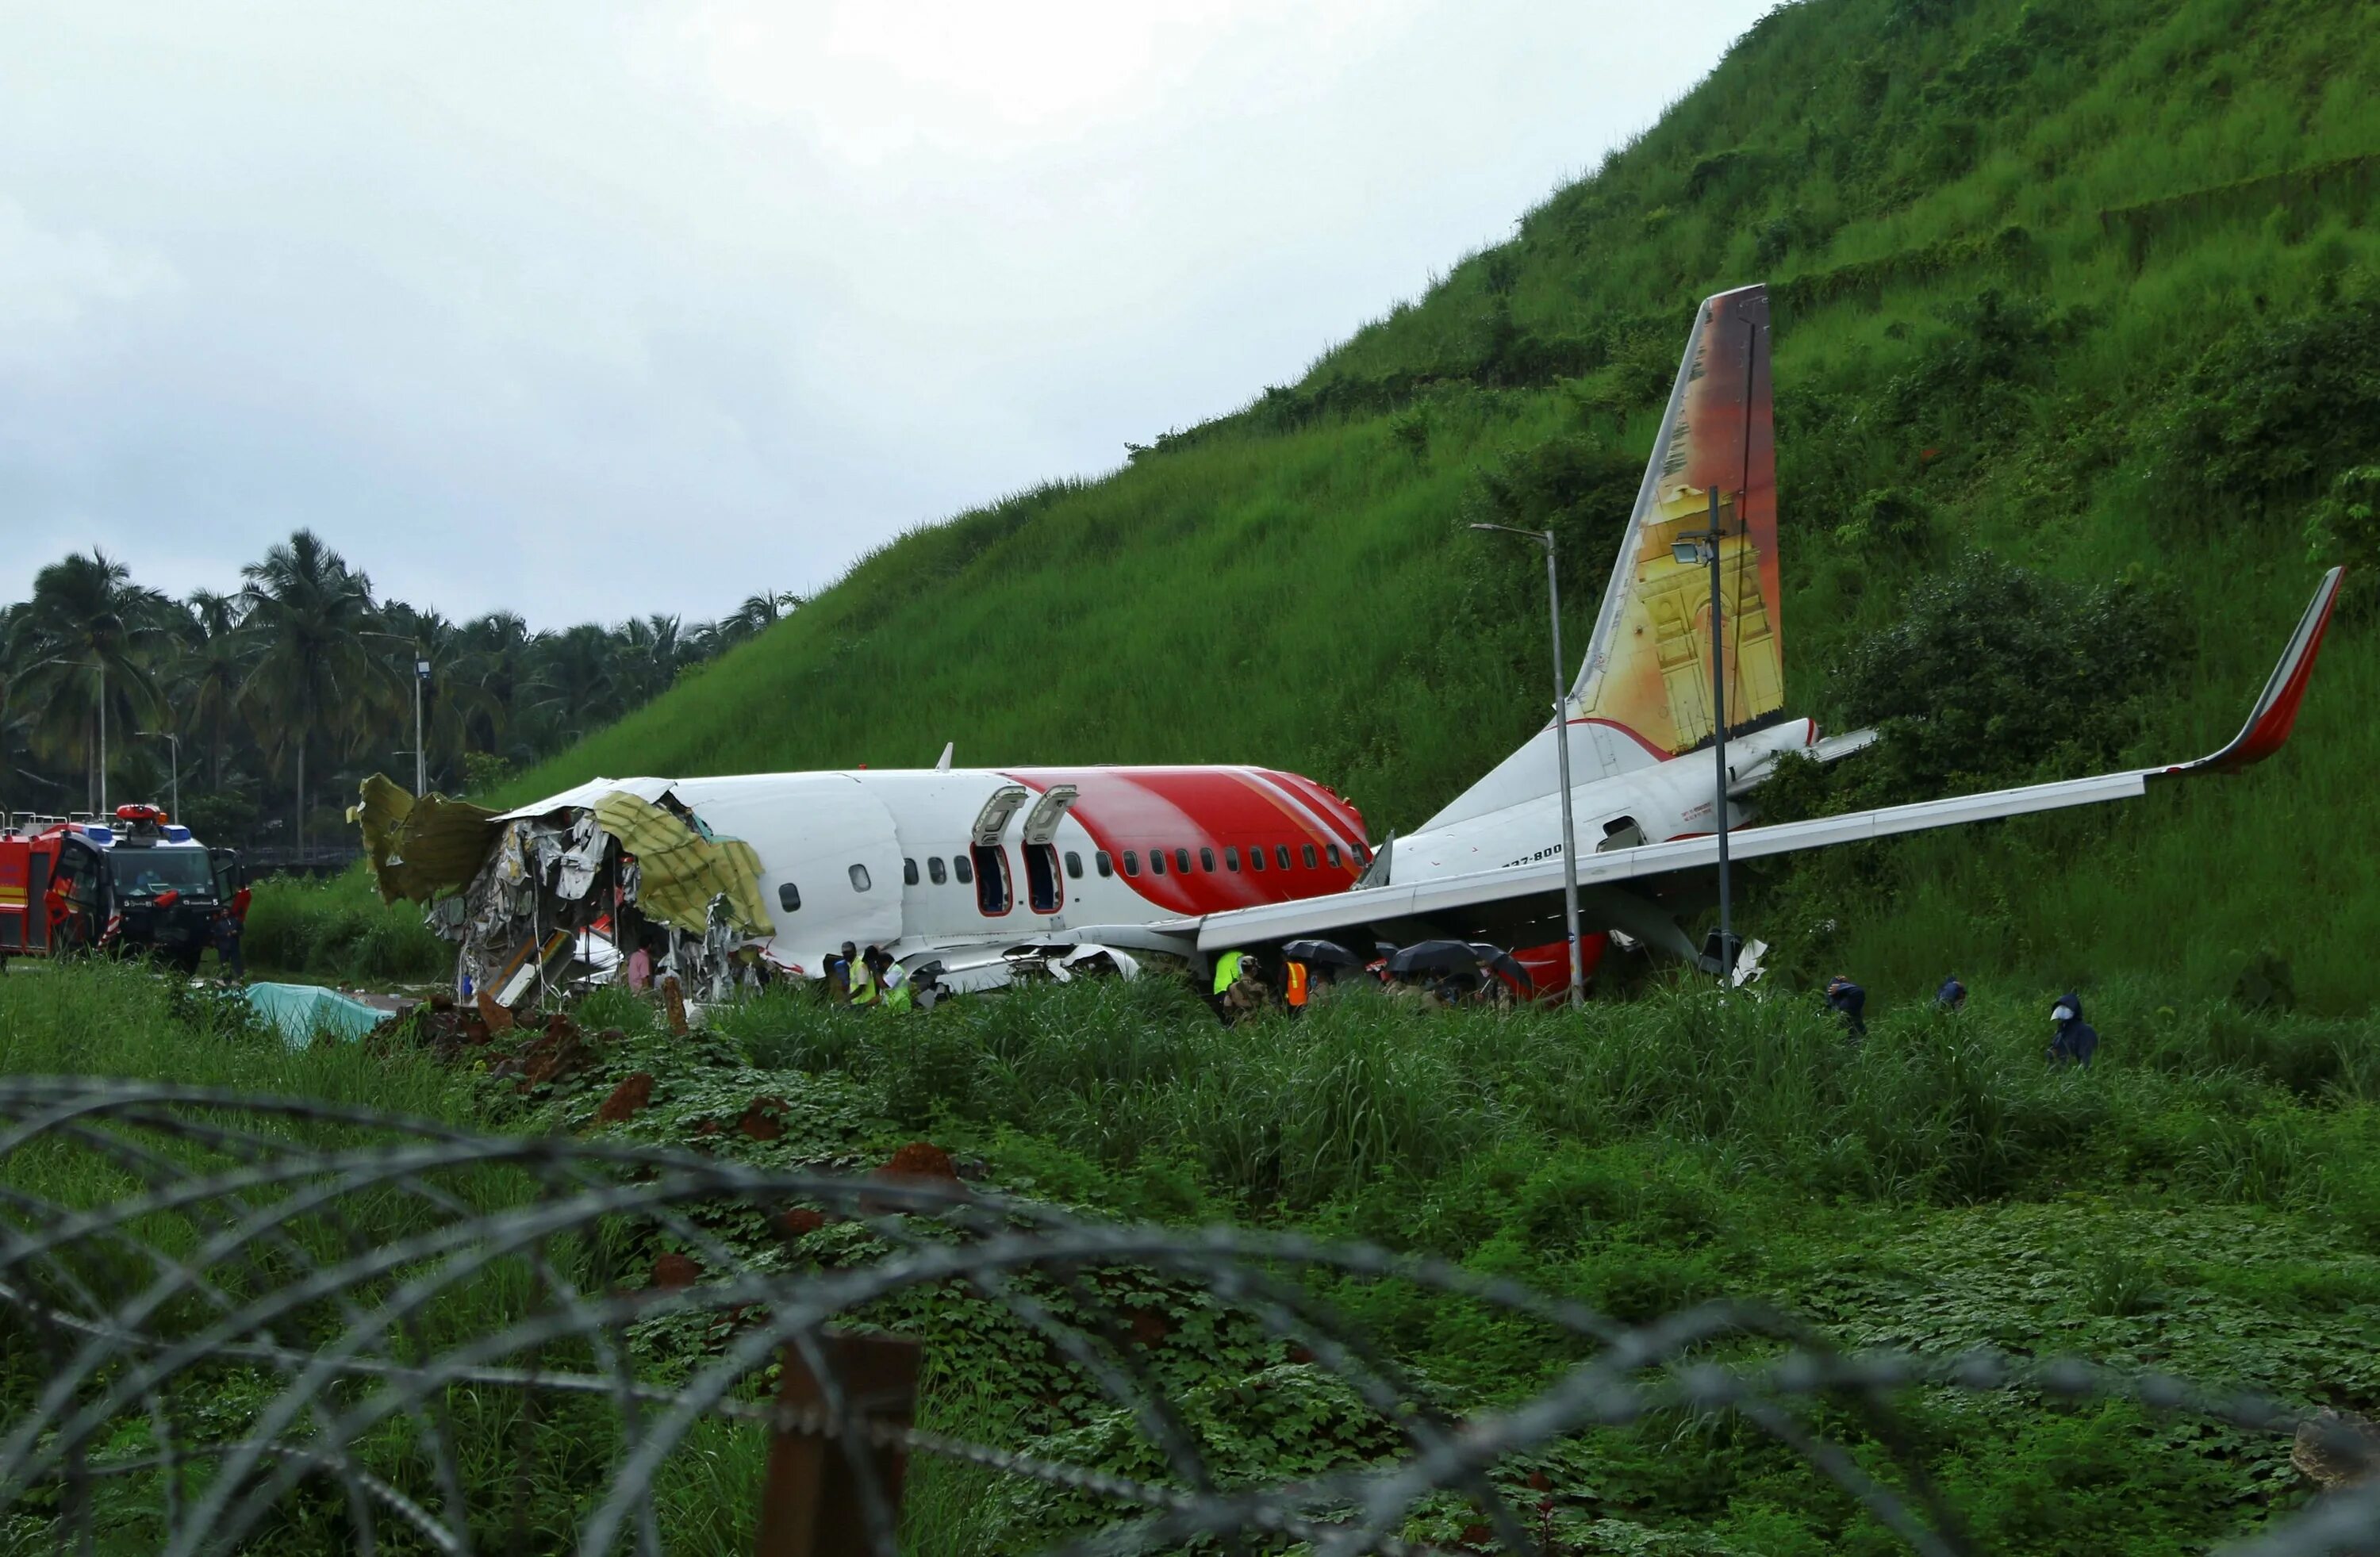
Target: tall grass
point(1932, 1109)
point(338, 928)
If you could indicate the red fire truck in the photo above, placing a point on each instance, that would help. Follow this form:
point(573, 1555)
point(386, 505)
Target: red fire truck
point(138, 882)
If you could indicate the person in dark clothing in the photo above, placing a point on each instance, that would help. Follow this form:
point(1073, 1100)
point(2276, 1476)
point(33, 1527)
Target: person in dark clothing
point(1849, 1001)
point(1953, 996)
point(227, 930)
point(2077, 1040)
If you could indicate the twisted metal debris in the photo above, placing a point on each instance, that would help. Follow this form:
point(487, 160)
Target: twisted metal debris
point(156, 1241)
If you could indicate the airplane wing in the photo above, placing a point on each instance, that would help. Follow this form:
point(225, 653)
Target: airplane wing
point(1530, 895)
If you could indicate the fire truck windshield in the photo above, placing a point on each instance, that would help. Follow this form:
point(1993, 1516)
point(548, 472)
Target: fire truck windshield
point(147, 872)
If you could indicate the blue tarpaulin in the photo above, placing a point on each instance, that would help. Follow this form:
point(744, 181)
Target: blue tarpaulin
point(300, 1010)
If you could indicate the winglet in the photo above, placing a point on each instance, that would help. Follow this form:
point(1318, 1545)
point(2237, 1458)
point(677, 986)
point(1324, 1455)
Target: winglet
point(2275, 713)
point(943, 763)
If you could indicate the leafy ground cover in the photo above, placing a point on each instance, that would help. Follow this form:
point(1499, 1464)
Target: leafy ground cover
point(2206, 1202)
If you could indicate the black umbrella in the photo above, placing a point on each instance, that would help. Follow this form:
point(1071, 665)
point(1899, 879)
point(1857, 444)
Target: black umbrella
point(1435, 957)
point(1496, 959)
point(1321, 954)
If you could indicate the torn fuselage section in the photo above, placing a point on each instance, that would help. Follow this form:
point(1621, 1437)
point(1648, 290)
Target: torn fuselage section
point(614, 881)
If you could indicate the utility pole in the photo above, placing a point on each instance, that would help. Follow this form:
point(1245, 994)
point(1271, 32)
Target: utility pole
point(1703, 547)
point(102, 737)
point(168, 735)
point(1561, 761)
point(1718, 746)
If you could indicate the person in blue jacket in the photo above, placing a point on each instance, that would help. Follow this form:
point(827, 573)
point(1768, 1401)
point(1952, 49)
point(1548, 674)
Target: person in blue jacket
point(2077, 1040)
point(1953, 996)
point(1849, 1001)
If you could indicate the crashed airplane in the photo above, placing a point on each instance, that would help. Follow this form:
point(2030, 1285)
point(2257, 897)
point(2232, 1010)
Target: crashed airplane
point(991, 872)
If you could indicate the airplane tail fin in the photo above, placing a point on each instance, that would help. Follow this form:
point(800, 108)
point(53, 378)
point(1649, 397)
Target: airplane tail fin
point(1647, 668)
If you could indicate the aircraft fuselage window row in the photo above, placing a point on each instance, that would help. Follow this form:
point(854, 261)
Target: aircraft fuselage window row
point(1041, 870)
point(1282, 859)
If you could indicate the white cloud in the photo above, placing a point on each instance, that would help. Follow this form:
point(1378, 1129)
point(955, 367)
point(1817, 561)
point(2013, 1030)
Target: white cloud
point(473, 289)
point(53, 284)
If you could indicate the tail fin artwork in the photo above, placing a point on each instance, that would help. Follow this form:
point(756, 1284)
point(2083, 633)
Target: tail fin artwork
point(1648, 666)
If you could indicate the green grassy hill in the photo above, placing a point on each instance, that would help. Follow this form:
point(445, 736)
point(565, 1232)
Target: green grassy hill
point(2089, 286)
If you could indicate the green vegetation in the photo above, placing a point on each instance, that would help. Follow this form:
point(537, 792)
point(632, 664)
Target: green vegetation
point(302, 670)
point(2206, 1202)
point(2089, 287)
point(340, 929)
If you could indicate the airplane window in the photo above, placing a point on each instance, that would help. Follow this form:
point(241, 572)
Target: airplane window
point(1331, 852)
point(1231, 856)
point(1280, 855)
point(1106, 865)
point(1310, 857)
point(960, 868)
point(1206, 859)
point(789, 897)
point(1074, 865)
point(1182, 861)
point(1255, 856)
point(1157, 862)
point(909, 872)
point(1132, 862)
point(934, 869)
point(1363, 853)
point(859, 878)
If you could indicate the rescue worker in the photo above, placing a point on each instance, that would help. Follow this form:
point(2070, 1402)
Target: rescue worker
point(1849, 1001)
point(1953, 996)
point(227, 936)
point(1227, 971)
point(864, 988)
point(1248, 992)
point(838, 975)
point(2077, 1040)
point(896, 986)
point(1292, 987)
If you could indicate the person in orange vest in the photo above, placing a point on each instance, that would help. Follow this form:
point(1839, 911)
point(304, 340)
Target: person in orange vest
point(1293, 987)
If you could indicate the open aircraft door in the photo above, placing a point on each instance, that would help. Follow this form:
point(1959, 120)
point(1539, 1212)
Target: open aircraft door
point(1044, 889)
point(993, 891)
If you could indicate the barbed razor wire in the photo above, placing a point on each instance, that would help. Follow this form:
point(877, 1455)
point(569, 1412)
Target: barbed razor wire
point(230, 1321)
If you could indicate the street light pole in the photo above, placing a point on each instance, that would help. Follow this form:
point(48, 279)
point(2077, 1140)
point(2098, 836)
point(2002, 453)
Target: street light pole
point(175, 741)
point(1719, 746)
point(1562, 760)
point(420, 675)
point(421, 759)
point(1703, 547)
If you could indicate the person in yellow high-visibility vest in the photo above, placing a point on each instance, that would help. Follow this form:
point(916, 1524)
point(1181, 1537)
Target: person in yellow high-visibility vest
point(863, 983)
point(1227, 970)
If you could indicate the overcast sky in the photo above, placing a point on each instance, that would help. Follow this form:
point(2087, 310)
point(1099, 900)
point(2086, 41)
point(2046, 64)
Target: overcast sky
point(588, 310)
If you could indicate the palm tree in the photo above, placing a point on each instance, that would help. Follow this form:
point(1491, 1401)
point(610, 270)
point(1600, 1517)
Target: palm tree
point(81, 652)
point(755, 616)
point(209, 673)
point(650, 654)
point(575, 687)
point(498, 655)
point(307, 612)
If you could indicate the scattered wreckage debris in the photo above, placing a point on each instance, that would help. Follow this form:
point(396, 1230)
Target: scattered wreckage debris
point(606, 883)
